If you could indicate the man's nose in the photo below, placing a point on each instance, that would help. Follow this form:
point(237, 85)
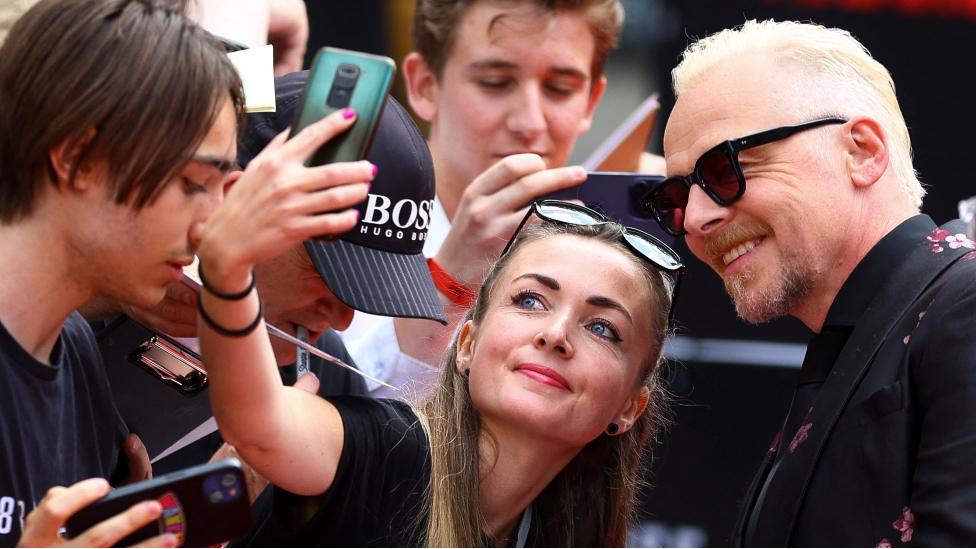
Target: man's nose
point(702, 215)
point(339, 314)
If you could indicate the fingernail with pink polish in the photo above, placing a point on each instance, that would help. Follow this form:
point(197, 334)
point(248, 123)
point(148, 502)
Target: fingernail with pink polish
point(348, 113)
point(376, 170)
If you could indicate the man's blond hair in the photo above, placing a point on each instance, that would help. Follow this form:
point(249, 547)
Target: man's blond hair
point(824, 51)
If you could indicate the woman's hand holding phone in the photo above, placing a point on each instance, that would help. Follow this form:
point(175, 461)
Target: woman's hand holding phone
point(279, 201)
point(43, 526)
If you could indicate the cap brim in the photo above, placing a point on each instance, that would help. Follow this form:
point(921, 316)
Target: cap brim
point(376, 281)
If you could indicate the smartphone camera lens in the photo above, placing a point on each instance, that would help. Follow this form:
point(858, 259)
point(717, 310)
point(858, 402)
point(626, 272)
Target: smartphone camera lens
point(228, 480)
point(216, 497)
point(343, 82)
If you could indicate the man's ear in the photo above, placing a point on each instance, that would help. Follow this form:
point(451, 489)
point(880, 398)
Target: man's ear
point(421, 84)
point(465, 345)
point(596, 93)
point(66, 158)
point(632, 410)
point(867, 147)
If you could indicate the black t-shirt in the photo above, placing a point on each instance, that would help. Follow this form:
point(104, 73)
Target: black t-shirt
point(378, 493)
point(59, 423)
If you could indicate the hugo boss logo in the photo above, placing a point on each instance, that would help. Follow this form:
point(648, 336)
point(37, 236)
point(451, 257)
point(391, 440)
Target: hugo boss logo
point(409, 218)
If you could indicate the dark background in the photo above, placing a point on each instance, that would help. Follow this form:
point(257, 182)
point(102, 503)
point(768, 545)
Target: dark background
point(729, 412)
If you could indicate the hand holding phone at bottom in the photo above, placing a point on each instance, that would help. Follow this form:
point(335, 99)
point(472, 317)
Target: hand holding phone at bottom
point(43, 525)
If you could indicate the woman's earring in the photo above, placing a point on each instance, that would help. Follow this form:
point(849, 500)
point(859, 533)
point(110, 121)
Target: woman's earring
point(612, 429)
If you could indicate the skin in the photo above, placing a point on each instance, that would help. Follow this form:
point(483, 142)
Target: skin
point(537, 426)
point(504, 117)
point(294, 293)
point(522, 85)
point(97, 247)
point(282, 23)
point(551, 368)
point(800, 191)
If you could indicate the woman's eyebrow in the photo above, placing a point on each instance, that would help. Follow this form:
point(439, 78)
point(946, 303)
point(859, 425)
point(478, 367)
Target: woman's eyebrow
point(608, 303)
point(546, 281)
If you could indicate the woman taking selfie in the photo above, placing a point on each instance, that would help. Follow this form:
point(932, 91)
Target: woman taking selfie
point(535, 434)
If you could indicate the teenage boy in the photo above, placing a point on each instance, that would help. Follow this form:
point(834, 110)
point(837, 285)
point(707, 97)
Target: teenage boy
point(507, 87)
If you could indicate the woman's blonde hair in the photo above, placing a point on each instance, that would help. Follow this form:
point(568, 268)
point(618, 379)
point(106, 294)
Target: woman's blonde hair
point(825, 51)
point(591, 501)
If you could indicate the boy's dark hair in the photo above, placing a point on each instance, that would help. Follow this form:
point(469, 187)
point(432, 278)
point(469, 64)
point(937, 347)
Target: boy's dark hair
point(131, 83)
point(436, 24)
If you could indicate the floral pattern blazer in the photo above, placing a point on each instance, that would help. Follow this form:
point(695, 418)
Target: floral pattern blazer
point(887, 455)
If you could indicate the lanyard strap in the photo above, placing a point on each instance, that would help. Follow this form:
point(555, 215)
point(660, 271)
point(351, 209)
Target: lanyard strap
point(524, 524)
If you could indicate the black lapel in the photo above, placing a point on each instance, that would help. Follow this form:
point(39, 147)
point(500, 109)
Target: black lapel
point(788, 487)
point(738, 533)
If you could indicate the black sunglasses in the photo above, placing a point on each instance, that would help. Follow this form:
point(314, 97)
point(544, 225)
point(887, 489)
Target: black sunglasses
point(718, 173)
point(644, 245)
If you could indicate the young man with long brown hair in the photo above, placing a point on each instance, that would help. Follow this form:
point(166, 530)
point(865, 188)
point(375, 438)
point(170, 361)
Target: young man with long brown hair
point(119, 126)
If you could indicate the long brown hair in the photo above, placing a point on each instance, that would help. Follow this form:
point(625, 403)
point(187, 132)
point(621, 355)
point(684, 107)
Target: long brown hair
point(137, 74)
point(591, 501)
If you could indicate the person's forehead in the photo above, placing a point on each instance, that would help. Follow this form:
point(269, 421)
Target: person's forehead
point(219, 146)
point(489, 25)
point(586, 262)
point(734, 98)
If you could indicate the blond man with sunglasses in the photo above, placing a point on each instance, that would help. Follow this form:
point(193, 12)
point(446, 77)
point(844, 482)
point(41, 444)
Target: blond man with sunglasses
point(791, 176)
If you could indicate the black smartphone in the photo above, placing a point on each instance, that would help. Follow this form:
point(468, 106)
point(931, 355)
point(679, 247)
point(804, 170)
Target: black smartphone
point(202, 505)
point(339, 79)
point(617, 195)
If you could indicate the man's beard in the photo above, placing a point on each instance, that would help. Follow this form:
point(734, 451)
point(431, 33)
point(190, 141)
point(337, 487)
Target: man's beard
point(757, 305)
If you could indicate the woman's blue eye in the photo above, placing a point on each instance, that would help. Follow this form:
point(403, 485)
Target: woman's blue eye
point(604, 330)
point(528, 301)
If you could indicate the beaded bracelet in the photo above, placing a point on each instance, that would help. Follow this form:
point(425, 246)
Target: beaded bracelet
point(226, 331)
point(226, 297)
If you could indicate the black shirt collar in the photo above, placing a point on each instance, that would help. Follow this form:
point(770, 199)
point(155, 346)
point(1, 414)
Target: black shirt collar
point(883, 259)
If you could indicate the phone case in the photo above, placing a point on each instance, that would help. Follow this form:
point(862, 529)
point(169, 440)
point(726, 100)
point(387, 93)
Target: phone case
point(161, 406)
point(339, 79)
point(617, 195)
point(202, 505)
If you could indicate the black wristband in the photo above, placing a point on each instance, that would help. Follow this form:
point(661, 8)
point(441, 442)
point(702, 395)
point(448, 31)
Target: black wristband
point(226, 297)
point(228, 332)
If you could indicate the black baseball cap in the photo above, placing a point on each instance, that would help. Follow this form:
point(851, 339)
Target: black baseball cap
point(378, 267)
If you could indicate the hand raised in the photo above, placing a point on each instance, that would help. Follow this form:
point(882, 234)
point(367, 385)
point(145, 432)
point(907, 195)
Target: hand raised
point(278, 202)
point(490, 209)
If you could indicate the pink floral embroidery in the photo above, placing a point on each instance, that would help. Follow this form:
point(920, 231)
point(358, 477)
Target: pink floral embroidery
point(802, 434)
point(940, 236)
point(969, 256)
point(935, 237)
point(905, 524)
point(920, 315)
point(884, 543)
point(960, 241)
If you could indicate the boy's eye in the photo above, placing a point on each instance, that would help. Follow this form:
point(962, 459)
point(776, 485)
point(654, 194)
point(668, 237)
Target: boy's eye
point(192, 188)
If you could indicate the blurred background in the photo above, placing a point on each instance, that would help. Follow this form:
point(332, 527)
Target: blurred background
point(734, 380)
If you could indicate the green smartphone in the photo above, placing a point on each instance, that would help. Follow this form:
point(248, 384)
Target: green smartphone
point(339, 79)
